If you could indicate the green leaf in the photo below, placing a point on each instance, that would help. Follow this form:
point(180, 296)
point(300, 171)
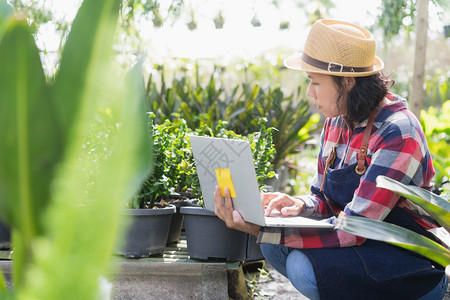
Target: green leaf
point(80, 223)
point(88, 46)
point(437, 207)
point(27, 126)
point(27, 122)
point(83, 223)
point(395, 235)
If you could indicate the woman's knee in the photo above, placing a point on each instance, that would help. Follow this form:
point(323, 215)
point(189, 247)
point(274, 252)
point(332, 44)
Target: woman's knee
point(301, 274)
point(299, 267)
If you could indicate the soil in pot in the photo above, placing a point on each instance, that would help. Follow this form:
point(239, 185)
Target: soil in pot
point(148, 232)
point(208, 238)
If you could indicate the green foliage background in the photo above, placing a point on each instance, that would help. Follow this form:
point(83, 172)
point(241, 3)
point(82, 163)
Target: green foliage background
point(436, 125)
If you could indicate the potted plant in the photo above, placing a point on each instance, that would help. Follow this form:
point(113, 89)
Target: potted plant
point(175, 166)
point(446, 31)
point(192, 24)
point(150, 216)
point(207, 236)
point(255, 21)
point(284, 25)
point(166, 188)
point(219, 20)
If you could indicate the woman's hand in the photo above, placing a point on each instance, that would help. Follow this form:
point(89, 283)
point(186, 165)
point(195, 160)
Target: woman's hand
point(285, 204)
point(232, 218)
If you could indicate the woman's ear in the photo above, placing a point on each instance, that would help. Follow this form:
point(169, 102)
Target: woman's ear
point(349, 83)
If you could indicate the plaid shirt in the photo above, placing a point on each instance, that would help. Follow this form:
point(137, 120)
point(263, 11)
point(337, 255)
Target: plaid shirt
point(397, 148)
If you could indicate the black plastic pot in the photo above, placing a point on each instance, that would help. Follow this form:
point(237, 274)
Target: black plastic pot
point(148, 232)
point(208, 238)
point(175, 227)
point(253, 252)
point(177, 220)
point(5, 236)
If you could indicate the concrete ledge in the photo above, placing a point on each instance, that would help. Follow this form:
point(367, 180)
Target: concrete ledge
point(159, 280)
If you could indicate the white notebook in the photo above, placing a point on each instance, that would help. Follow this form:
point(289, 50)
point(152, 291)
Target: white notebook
point(217, 156)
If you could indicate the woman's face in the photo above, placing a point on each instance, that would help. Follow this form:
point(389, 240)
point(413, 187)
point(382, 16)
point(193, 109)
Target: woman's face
point(324, 92)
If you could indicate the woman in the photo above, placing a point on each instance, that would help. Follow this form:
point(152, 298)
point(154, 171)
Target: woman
point(368, 132)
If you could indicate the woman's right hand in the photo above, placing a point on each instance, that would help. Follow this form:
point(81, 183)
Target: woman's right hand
point(224, 210)
point(285, 204)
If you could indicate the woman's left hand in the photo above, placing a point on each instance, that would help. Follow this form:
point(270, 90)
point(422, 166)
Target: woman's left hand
point(232, 218)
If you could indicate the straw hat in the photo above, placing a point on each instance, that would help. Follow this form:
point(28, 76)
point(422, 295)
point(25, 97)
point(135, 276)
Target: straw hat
point(337, 48)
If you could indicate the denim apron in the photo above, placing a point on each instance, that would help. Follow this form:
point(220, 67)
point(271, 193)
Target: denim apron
point(374, 270)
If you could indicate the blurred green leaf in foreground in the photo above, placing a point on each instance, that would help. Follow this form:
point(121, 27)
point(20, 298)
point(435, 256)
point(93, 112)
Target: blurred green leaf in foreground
point(73, 150)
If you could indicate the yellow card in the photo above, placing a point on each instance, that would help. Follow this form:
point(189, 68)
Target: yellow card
point(224, 180)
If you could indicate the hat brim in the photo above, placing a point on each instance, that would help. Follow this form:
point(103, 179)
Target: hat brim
point(296, 62)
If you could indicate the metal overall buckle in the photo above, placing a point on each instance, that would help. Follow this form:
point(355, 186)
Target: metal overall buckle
point(360, 172)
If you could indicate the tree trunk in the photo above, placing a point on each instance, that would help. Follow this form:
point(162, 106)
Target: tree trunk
point(416, 92)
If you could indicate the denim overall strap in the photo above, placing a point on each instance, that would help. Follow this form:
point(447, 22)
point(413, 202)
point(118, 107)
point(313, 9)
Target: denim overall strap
point(360, 168)
point(330, 160)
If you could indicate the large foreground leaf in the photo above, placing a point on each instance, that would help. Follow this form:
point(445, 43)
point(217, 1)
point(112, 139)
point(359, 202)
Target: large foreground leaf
point(70, 249)
point(29, 148)
point(435, 206)
point(84, 220)
point(396, 235)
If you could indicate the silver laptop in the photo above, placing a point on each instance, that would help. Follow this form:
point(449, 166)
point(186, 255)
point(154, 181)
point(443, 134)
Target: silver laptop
point(234, 158)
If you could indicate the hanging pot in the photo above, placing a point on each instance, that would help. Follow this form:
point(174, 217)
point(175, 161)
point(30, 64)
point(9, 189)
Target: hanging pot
point(447, 31)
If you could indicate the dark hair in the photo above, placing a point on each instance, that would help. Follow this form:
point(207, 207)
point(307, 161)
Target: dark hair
point(364, 96)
